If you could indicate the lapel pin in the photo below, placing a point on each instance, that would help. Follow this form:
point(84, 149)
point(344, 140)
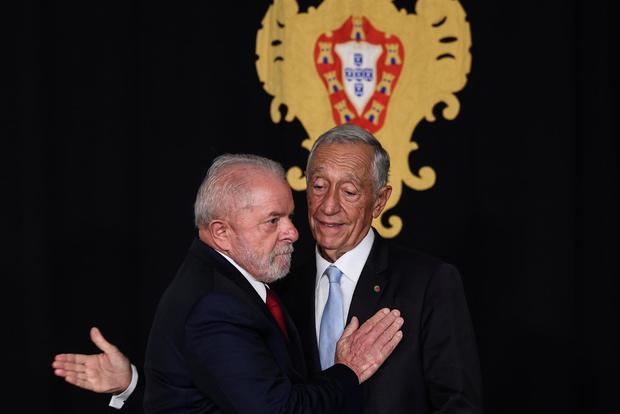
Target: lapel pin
point(377, 288)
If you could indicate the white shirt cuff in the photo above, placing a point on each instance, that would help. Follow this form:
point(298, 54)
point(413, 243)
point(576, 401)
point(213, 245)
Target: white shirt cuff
point(117, 401)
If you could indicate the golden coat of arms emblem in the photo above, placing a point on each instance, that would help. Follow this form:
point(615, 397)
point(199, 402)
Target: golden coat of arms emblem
point(368, 63)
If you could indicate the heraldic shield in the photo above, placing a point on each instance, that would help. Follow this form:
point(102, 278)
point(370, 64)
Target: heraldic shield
point(368, 63)
point(350, 61)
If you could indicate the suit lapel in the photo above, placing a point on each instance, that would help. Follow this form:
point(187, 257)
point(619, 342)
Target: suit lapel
point(295, 346)
point(297, 291)
point(230, 272)
point(371, 284)
point(296, 362)
point(365, 302)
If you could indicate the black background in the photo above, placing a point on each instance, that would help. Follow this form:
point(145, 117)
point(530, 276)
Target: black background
point(120, 107)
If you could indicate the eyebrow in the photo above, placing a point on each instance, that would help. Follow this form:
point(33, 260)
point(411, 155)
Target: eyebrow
point(279, 214)
point(349, 177)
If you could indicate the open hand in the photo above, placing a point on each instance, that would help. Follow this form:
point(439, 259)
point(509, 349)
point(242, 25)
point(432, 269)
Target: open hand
point(364, 348)
point(108, 372)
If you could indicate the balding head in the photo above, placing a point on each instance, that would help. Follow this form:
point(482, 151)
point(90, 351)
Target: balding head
point(353, 134)
point(226, 187)
point(244, 209)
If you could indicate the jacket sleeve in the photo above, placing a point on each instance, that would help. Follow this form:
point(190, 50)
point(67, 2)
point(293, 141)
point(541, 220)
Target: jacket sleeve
point(450, 358)
point(235, 360)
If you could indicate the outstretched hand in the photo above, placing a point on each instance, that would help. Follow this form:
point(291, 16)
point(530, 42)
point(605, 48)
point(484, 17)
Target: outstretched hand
point(108, 372)
point(365, 348)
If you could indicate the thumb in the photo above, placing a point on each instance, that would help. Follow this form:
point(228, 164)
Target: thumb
point(100, 341)
point(351, 327)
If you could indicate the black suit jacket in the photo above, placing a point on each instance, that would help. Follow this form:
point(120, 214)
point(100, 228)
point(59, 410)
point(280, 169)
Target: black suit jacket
point(214, 347)
point(435, 368)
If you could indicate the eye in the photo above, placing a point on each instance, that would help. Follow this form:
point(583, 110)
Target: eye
point(318, 185)
point(274, 220)
point(350, 191)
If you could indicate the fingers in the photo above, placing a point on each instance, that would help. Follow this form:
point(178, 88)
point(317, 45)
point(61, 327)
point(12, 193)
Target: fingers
point(389, 347)
point(68, 365)
point(365, 348)
point(350, 328)
point(392, 330)
point(370, 323)
point(73, 362)
point(72, 358)
point(383, 338)
point(392, 340)
point(59, 372)
point(77, 374)
point(64, 358)
point(379, 327)
point(79, 378)
point(79, 382)
point(100, 341)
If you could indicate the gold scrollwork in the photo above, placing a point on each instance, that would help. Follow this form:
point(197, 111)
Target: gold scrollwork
point(436, 41)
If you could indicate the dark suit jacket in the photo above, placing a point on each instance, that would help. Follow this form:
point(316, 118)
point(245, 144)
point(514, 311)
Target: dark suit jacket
point(214, 347)
point(435, 368)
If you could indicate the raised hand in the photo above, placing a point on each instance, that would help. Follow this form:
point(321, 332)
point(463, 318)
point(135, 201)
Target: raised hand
point(108, 372)
point(364, 348)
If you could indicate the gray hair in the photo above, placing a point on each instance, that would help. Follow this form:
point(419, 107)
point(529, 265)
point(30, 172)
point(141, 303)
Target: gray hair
point(353, 134)
point(219, 194)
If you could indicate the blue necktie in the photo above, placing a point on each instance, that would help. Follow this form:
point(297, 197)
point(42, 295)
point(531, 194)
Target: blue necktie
point(332, 321)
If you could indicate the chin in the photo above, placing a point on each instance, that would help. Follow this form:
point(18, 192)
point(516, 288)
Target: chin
point(330, 243)
point(277, 276)
point(278, 272)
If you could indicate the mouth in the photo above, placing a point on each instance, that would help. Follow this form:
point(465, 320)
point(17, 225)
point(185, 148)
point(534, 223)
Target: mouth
point(282, 256)
point(284, 251)
point(329, 225)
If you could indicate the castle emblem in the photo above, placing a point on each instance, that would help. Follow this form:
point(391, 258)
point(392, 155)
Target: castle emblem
point(368, 63)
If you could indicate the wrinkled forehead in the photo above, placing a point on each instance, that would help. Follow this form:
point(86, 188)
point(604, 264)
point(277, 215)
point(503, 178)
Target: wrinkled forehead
point(354, 160)
point(249, 182)
point(269, 188)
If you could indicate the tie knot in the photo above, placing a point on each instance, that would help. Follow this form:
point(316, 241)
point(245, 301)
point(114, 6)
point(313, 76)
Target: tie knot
point(334, 274)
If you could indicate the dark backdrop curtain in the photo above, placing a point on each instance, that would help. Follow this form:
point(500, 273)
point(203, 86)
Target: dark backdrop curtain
point(117, 109)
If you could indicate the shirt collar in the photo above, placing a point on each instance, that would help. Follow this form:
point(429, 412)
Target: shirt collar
point(351, 263)
point(258, 286)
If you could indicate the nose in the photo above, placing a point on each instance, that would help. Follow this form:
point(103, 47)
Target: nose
point(331, 202)
point(289, 231)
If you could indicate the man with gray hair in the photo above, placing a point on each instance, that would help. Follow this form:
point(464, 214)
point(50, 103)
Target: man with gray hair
point(355, 272)
point(435, 368)
point(216, 344)
point(220, 342)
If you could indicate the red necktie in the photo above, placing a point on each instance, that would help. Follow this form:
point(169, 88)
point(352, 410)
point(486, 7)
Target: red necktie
point(274, 307)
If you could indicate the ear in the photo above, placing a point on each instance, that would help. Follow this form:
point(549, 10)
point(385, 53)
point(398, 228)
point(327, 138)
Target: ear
point(216, 234)
point(381, 200)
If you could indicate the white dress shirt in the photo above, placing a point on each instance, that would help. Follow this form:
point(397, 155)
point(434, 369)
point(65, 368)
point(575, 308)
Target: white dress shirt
point(350, 264)
point(117, 401)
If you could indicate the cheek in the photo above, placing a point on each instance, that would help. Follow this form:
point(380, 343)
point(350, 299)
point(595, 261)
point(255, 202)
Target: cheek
point(312, 206)
point(359, 212)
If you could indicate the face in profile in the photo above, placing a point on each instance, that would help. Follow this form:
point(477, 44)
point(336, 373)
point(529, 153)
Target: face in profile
point(341, 197)
point(262, 233)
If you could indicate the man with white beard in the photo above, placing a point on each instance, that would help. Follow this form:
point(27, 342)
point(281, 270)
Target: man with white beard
point(219, 341)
